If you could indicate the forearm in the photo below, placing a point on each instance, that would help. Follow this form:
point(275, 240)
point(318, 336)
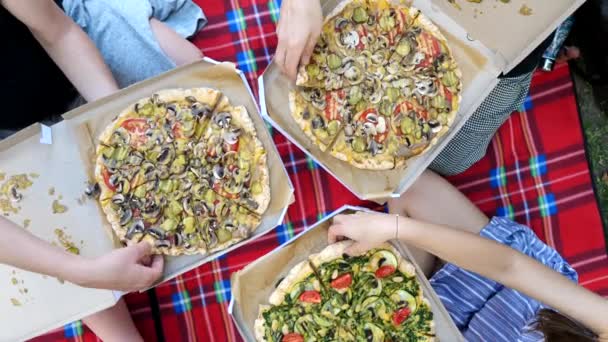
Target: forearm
point(508, 267)
point(80, 61)
point(23, 250)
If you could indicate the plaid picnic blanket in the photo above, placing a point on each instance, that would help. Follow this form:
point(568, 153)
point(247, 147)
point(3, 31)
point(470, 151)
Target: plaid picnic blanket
point(535, 172)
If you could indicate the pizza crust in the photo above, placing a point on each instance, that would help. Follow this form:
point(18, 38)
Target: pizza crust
point(298, 273)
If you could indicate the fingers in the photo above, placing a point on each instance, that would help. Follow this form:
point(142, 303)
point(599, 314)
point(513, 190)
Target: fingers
point(292, 60)
point(141, 250)
point(356, 249)
point(152, 273)
point(335, 232)
point(308, 50)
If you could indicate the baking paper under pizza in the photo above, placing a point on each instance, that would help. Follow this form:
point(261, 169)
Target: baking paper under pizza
point(333, 297)
point(184, 170)
point(382, 85)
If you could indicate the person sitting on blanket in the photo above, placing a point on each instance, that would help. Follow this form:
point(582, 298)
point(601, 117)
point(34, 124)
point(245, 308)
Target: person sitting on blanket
point(500, 283)
point(45, 56)
point(300, 25)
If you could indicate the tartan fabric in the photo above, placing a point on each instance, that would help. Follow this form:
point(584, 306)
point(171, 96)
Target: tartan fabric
point(535, 171)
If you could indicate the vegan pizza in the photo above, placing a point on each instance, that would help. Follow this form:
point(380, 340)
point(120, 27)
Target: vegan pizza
point(332, 297)
point(183, 170)
point(381, 87)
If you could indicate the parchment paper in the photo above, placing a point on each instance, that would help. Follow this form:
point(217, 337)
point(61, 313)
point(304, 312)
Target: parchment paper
point(223, 77)
point(48, 303)
point(479, 78)
point(252, 286)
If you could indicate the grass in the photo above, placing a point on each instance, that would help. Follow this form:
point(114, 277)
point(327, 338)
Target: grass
point(593, 104)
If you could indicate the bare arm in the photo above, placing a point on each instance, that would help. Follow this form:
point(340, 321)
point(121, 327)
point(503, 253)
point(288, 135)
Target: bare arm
point(68, 46)
point(488, 258)
point(123, 269)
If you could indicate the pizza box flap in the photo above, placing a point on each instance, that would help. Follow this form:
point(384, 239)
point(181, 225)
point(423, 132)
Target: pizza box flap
point(92, 120)
point(500, 26)
point(252, 286)
point(479, 78)
point(49, 303)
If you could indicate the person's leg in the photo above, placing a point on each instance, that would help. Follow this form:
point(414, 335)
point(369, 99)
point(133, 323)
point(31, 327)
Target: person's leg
point(470, 144)
point(433, 199)
point(114, 324)
point(180, 50)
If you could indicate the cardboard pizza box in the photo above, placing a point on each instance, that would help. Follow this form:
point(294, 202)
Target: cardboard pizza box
point(61, 157)
point(252, 286)
point(487, 39)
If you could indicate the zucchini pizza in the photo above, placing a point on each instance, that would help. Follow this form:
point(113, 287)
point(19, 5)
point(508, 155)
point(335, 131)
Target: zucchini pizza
point(330, 296)
point(380, 88)
point(183, 170)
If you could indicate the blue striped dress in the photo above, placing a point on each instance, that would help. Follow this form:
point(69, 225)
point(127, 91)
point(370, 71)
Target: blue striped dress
point(485, 310)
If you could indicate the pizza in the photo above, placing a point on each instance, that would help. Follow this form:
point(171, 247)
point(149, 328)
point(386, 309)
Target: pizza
point(381, 87)
point(183, 170)
point(334, 297)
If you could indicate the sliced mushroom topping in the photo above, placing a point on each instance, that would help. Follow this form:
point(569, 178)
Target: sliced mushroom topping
point(126, 216)
point(187, 206)
point(435, 126)
point(222, 119)
point(211, 239)
point(349, 130)
point(92, 190)
point(373, 118)
point(200, 110)
point(375, 147)
point(376, 97)
point(120, 137)
point(218, 172)
point(426, 87)
point(162, 244)
point(118, 199)
point(156, 233)
point(136, 227)
point(348, 39)
point(15, 195)
point(318, 122)
point(341, 23)
point(369, 129)
point(151, 212)
point(232, 137)
point(166, 156)
point(136, 158)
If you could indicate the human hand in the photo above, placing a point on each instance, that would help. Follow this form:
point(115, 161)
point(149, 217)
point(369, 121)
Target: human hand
point(128, 269)
point(367, 230)
point(299, 27)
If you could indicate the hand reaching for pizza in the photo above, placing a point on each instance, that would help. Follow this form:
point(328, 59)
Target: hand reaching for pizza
point(367, 230)
point(298, 29)
point(126, 269)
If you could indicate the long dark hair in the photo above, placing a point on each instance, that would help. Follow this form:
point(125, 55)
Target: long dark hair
point(559, 328)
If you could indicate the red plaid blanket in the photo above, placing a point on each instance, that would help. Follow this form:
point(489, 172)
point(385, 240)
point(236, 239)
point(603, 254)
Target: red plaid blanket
point(535, 172)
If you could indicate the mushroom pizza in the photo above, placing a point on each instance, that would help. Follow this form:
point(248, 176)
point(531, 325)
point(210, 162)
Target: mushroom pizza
point(381, 87)
point(183, 170)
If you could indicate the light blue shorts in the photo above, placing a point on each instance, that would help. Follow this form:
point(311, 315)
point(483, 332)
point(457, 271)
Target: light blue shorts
point(121, 30)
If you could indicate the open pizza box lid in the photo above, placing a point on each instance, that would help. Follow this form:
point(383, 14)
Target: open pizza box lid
point(60, 156)
point(252, 286)
point(504, 38)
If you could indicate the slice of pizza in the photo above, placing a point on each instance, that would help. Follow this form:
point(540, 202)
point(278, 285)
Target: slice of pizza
point(362, 142)
point(236, 161)
point(320, 114)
